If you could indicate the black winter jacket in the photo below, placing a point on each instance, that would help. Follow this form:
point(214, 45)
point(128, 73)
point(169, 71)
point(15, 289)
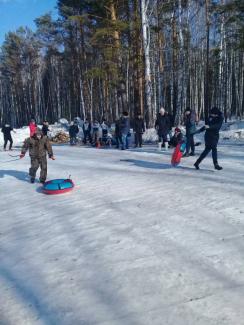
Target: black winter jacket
point(73, 130)
point(212, 134)
point(162, 124)
point(139, 126)
point(7, 131)
point(45, 129)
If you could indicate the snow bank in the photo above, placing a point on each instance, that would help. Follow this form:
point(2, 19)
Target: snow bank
point(232, 131)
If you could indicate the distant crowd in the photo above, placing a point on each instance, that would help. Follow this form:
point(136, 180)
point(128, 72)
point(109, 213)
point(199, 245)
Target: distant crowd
point(119, 134)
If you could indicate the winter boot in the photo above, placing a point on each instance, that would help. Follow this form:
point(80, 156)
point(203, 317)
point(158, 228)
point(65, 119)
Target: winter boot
point(32, 180)
point(196, 165)
point(216, 166)
point(186, 154)
point(159, 146)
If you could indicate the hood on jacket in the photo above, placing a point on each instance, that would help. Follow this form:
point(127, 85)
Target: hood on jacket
point(215, 111)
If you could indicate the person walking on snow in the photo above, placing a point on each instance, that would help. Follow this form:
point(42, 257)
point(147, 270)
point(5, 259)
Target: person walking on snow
point(139, 128)
point(32, 127)
point(6, 130)
point(38, 146)
point(162, 125)
point(190, 123)
point(212, 128)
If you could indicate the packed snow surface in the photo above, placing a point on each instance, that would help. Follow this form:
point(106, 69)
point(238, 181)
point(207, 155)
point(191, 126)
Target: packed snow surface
point(137, 242)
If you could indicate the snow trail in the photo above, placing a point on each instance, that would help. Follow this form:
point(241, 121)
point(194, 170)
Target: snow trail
point(137, 242)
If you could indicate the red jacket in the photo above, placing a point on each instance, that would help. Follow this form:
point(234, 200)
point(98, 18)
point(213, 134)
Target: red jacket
point(32, 127)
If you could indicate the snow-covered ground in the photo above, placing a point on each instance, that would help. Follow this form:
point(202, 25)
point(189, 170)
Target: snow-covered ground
point(136, 243)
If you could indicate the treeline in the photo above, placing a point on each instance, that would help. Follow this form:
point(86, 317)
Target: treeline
point(102, 57)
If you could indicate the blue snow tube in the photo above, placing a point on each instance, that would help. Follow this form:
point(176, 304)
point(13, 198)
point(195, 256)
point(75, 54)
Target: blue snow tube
point(58, 186)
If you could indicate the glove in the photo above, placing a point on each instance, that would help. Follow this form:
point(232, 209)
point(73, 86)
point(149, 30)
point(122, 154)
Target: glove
point(21, 155)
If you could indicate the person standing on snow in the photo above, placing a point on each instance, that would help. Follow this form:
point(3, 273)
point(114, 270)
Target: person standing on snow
point(139, 128)
point(212, 128)
point(73, 131)
point(105, 128)
point(190, 123)
point(162, 125)
point(87, 131)
point(95, 131)
point(45, 127)
point(118, 137)
point(38, 146)
point(125, 130)
point(32, 127)
point(6, 130)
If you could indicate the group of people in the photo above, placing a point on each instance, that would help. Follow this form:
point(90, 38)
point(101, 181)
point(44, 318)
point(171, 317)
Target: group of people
point(93, 136)
point(163, 126)
point(38, 144)
point(90, 132)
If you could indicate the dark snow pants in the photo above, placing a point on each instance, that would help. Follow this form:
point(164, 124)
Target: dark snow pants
point(206, 151)
point(138, 139)
point(118, 141)
point(190, 143)
point(6, 139)
point(87, 135)
point(35, 164)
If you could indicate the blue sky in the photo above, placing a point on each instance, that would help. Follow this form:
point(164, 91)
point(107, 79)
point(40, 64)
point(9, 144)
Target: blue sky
point(16, 13)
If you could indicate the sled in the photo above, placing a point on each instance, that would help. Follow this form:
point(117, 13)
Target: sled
point(58, 186)
point(177, 154)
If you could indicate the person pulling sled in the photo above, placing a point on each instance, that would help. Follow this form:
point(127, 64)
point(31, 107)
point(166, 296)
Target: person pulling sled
point(38, 146)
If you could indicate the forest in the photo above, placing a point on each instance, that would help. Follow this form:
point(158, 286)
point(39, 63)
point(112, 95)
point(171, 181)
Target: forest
point(98, 58)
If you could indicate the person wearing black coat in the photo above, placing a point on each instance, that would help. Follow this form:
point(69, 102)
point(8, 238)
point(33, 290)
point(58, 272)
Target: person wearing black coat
point(118, 137)
point(176, 138)
point(162, 126)
point(87, 131)
point(6, 130)
point(139, 128)
point(73, 131)
point(190, 123)
point(212, 128)
point(45, 128)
